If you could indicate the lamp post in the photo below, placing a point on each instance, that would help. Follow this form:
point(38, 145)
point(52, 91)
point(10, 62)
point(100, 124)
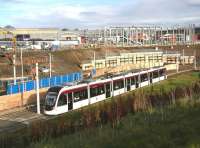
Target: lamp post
point(183, 56)
point(50, 66)
point(37, 90)
point(22, 66)
point(14, 68)
point(22, 78)
point(177, 63)
point(14, 58)
point(195, 61)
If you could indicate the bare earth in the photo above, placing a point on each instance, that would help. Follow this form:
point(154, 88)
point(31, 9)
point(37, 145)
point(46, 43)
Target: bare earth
point(67, 61)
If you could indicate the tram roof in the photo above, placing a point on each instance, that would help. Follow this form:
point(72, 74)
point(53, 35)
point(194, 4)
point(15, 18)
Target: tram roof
point(106, 78)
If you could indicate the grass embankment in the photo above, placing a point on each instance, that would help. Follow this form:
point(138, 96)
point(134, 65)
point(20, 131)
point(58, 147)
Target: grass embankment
point(171, 127)
point(110, 114)
point(157, 125)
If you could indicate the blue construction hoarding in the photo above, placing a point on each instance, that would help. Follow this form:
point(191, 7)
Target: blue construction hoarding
point(44, 82)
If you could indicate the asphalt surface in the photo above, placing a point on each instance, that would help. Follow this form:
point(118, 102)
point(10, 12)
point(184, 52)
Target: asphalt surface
point(17, 119)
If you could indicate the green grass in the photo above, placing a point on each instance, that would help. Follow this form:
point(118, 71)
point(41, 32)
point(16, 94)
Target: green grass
point(114, 120)
point(172, 127)
point(182, 80)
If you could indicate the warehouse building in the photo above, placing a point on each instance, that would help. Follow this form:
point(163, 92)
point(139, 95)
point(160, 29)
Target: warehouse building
point(137, 60)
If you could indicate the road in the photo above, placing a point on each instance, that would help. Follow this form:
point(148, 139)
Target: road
point(16, 119)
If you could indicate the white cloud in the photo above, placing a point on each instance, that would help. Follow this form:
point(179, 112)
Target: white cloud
point(194, 2)
point(127, 12)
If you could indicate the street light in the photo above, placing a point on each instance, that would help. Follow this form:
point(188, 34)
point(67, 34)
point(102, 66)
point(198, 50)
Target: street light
point(22, 77)
point(22, 66)
point(50, 65)
point(37, 90)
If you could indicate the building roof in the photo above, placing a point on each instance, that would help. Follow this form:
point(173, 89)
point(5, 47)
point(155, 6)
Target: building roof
point(34, 30)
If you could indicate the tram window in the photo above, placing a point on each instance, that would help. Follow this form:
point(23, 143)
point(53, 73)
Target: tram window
point(137, 79)
point(155, 74)
point(151, 75)
point(80, 95)
point(118, 84)
point(133, 81)
point(124, 60)
point(97, 91)
point(70, 97)
point(62, 100)
point(162, 72)
point(144, 77)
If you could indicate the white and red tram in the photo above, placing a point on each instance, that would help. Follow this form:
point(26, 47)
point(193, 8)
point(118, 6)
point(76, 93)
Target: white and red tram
point(61, 99)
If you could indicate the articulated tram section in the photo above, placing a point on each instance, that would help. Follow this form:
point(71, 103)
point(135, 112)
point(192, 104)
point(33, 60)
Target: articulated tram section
point(63, 99)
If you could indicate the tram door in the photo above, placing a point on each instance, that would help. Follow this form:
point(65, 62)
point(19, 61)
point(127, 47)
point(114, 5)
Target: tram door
point(137, 81)
point(62, 104)
point(151, 77)
point(70, 102)
point(128, 81)
point(108, 90)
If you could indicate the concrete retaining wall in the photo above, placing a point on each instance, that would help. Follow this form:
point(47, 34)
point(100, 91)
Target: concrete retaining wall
point(20, 100)
point(123, 68)
point(172, 66)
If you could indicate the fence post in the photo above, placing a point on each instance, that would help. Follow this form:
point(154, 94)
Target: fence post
point(40, 84)
point(24, 86)
point(11, 90)
point(67, 78)
point(49, 82)
point(34, 88)
point(62, 80)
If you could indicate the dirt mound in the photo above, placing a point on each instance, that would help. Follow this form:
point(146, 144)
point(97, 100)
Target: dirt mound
point(67, 61)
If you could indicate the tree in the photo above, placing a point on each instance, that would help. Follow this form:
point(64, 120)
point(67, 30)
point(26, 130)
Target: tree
point(9, 27)
point(76, 29)
point(65, 29)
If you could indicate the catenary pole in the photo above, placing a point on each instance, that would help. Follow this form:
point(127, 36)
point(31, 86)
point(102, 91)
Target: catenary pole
point(37, 89)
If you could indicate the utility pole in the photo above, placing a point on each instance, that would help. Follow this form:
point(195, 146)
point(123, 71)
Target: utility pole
point(14, 68)
point(195, 60)
point(183, 57)
point(123, 36)
point(94, 66)
point(22, 67)
point(22, 78)
point(106, 64)
point(177, 64)
point(50, 67)
point(14, 59)
point(37, 90)
point(94, 60)
point(153, 56)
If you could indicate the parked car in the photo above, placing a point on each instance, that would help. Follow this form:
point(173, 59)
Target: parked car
point(44, 69)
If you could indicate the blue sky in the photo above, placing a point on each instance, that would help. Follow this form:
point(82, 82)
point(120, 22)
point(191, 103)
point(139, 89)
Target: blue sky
point(97, 13)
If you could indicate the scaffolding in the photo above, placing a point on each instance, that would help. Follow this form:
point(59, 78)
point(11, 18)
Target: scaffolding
point(142, 35)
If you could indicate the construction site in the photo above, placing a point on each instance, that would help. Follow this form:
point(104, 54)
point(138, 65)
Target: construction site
point(38, 43)
point(99, 74)
point(81, 56)
point(94, 61)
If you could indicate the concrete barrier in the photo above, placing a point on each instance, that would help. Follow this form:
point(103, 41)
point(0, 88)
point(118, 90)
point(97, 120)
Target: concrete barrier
point(20, 100)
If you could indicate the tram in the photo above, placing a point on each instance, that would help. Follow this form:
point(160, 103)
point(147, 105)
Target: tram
point(62, 99)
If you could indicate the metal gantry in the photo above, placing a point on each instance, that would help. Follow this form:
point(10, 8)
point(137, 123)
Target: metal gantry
point(142, 35)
